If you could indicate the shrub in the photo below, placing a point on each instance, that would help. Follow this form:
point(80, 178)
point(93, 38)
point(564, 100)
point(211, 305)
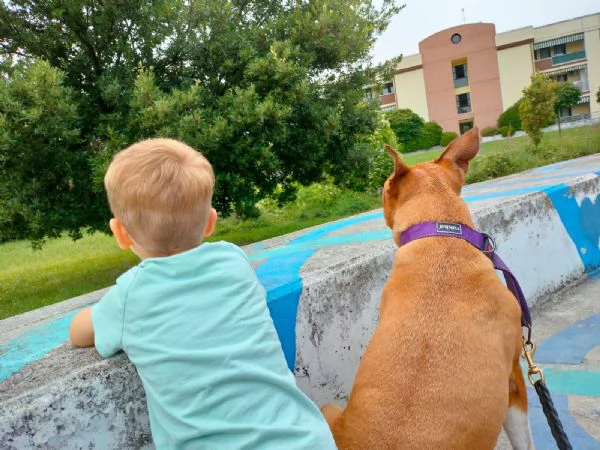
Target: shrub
point(511, 117)
point(489, 131)
point(430, 135)
point(507, 131)
point(407, 126)
point(447, 137)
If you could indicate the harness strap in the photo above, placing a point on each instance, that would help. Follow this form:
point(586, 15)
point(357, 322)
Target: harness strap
point(480, 240)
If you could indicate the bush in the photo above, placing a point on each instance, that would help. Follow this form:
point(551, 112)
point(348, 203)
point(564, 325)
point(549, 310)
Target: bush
point(511, 117)
point(490, 131)
point(447, 137)
point(430, 135)
point(407, 126)
point(494, 165)
point(506, 131)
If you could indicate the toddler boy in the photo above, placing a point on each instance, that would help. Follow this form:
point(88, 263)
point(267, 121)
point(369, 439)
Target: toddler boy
point(192, 316)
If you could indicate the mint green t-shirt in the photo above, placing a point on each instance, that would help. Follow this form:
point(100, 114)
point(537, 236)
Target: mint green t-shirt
point(197, 327)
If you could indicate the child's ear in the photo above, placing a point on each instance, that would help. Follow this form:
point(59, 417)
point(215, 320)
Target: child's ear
point(210, 224)
point(121, 235)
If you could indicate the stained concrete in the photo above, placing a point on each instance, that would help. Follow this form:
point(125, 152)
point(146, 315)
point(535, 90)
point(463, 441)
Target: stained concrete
point(323, 289)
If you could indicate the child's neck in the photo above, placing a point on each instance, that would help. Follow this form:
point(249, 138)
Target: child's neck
point(145, 254)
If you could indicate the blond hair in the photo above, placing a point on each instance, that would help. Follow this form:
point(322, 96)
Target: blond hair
point(161, 190)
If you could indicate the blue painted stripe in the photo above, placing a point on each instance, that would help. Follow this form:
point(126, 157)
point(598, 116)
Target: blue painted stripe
point(582, 223)
point(572, 382)
point(572, 344)
point(33, 345)
point(542, 437)
point(280, 275)
point(346, 239)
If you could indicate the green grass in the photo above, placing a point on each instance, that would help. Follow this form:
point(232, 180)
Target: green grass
point(30, 279)
point(64, 268)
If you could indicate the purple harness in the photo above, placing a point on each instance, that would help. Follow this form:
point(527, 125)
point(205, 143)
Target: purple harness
point(481, 241)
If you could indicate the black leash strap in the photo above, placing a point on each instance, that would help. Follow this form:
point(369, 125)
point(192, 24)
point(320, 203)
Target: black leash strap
point(562, 441)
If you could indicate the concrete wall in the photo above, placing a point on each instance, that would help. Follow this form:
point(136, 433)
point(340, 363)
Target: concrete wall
point(323, 289)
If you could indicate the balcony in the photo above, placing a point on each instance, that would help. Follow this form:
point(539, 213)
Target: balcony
point(461, 82)
point(569, 57)
point(583, 86)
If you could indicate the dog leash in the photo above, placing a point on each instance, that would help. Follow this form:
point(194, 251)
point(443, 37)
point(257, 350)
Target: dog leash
point(486, 244)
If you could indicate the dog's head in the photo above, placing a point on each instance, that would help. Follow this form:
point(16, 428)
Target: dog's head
point(429, 191)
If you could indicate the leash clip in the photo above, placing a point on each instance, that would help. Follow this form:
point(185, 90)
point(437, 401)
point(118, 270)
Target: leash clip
point(534, 370)
point(489, 245)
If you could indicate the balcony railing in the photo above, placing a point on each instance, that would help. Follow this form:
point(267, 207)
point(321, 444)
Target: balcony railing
point(581, 85)
point(563, 59)
point(461, 82)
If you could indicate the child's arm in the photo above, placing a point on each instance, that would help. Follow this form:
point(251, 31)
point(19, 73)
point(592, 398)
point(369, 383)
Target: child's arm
point(81, 332)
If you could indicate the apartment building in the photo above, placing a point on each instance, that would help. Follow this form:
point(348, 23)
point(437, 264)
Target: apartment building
point(468, 74)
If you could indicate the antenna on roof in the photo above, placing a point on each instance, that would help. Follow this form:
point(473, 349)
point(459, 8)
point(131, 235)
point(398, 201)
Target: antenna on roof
point(463, 14)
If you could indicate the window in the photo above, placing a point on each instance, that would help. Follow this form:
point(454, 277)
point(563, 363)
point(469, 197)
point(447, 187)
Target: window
point(463, 103)
point(456, 38)
point(388, 89)
point(565, 112)
point(560, 49)
point(459, 73)
point(465, 126)
point(544, 53)
point(562, 77)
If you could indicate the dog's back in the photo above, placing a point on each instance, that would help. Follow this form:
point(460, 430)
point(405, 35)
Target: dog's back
point(442, 367)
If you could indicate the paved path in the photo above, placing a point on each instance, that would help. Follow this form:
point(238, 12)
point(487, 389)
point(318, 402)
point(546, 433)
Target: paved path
point(567, 330)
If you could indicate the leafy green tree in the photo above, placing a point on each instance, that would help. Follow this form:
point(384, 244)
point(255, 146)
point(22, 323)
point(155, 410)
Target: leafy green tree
point(566, 95)
point(537, 107)
point(270, 91)
point(598, 95)
point(44, 187)
point(407, 126)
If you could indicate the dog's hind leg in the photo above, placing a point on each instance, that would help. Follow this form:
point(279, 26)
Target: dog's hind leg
point(516, 423)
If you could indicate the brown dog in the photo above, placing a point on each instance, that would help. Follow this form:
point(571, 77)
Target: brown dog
point(442, 368)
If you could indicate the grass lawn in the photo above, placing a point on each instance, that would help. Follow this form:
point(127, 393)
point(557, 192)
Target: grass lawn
point(63, 269)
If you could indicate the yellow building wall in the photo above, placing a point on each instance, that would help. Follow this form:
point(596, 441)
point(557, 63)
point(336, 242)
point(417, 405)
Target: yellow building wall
point(410, 92)
point(578, 110)
point(592, 51)
point(516, 67)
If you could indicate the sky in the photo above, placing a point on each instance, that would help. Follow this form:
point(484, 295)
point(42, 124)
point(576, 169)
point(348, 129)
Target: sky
point(422, 18)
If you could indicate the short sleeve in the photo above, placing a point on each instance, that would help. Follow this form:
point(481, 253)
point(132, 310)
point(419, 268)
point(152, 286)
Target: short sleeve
point(107, 317)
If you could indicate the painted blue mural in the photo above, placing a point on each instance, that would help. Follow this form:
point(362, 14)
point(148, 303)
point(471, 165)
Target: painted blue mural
point(279, 269)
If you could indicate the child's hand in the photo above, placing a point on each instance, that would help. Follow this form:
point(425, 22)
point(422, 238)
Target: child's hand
point(81, 332)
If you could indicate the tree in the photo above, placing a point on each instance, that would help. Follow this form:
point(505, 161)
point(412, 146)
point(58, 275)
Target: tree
point(566, 95)
point(598, 95)
point(537, 107)
point(407, 126)
point(270, 91)
point(44, 187)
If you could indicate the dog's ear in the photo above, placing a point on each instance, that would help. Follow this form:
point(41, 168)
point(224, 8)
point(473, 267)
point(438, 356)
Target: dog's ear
point(462, 150)
point(400, 168)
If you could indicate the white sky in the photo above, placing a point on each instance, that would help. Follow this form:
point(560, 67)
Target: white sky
point(422, 18)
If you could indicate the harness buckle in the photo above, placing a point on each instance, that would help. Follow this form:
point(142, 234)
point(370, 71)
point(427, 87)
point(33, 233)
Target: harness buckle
point(489, 245)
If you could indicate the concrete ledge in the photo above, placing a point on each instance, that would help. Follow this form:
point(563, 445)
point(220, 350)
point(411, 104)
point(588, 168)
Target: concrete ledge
point(323, 289)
